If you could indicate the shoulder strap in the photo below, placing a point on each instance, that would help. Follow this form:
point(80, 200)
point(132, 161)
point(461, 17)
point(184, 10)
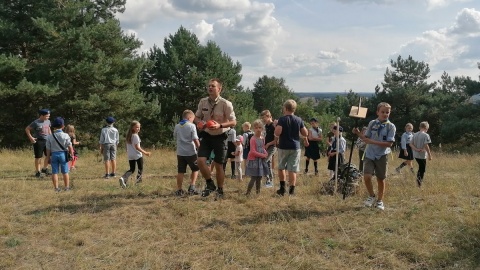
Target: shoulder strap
point(61, 146)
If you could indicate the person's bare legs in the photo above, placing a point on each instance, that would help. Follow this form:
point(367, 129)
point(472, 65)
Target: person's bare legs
point(179, 180)
point(220, 174)
point(66, 180)
point(107, 166)
point(193, 178)
point(55, 181)
point(204, 168)
point(114, 165)
point(381, 189)
point(38, 164)
point(367, 178)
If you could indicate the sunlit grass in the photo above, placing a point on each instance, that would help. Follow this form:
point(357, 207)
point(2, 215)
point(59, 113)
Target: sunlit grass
point(98, 225)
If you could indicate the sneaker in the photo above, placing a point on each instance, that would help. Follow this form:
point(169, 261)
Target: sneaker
point(45, 171)
point(269, 184)
point(281, 191)
point(316, 173)
point(192, 191)
point(379, 205)
point(122, 182)
point(67, 189)
point(209, 189)
point(305, 171)
point(179, 192)
point(72, 168)
point(219, 194)
point(38, 175)
point(106, 176)
point(58, 189)
point(412, 170)
point(397, 170)
point(112, 175)
point(369, 202)
point(233, 176)
point(419, 182)
point(139, 180)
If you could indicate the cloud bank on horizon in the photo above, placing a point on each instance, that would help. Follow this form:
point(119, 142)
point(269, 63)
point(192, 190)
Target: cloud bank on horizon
point(321, 46)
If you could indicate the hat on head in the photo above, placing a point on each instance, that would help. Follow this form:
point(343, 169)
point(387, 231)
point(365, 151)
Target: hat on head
point(313, 119)
point(58, 122)
point(44, 111)
point(339, 129)
point(110, 120)
point(239, 138)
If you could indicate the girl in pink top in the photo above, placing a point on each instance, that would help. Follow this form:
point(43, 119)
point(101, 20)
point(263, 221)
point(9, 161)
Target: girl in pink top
point(256, 160)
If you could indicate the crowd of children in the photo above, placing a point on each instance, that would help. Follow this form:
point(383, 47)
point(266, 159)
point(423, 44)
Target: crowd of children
point(251, 153)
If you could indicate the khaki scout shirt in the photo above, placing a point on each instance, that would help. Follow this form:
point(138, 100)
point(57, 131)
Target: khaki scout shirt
point(220, 110)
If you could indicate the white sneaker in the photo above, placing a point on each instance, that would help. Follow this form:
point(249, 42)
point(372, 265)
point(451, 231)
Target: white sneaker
point(379, 205)
point(122, 182)
point(369, 201)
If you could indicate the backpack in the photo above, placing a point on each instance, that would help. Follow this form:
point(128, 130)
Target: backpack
point(247, 143)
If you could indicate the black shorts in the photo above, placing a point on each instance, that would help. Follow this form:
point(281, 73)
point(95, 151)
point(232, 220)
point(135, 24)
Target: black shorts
point(40, 148)
point(409, 152)
point(183, 161)
point(217, 143)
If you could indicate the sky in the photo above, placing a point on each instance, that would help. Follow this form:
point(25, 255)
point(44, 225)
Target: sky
point(320, 45)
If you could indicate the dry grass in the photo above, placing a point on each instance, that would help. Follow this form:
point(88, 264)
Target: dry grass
point(101, 226)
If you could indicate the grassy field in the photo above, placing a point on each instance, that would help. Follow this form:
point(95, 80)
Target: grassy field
point(98, 225)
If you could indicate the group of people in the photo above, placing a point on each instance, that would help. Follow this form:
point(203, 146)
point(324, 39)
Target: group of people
point(206, 133)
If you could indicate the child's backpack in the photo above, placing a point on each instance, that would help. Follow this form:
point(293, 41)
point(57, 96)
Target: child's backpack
point(247, 143)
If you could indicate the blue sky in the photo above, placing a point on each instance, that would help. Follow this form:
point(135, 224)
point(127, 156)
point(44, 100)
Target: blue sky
point(321, 45)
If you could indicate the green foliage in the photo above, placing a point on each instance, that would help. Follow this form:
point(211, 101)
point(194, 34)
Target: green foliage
point(179, 74)
point(269, 93)
point(77, 62)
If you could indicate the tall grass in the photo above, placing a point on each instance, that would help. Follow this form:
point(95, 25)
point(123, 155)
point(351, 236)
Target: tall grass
point(98, 225)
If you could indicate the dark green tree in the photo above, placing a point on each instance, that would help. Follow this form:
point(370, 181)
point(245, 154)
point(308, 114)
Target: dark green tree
point(269, 93)
point(406, 88)
point(179, 74)
point(76, 50)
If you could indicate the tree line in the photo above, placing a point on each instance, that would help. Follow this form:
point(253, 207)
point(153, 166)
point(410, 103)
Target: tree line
point(73, 58)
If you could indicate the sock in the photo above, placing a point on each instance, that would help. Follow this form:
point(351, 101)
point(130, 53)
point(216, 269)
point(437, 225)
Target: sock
point(307, 162)
point(292, 190)
point(315, 165)
point(282, 185)
point(232, 165)
point(401, 166)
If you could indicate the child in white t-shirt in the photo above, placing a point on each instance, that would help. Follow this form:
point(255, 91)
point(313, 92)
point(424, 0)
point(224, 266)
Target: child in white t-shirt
point(238, 157)
point(135, 154)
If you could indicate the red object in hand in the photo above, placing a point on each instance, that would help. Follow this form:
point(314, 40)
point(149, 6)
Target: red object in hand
point(201, 125)
point(211, 123)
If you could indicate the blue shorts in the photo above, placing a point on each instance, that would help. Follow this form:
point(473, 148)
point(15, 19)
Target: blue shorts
point(59, 161)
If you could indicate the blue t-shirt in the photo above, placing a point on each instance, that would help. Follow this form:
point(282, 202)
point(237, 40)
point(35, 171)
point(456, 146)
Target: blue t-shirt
point(290, 137)
point(382, 132)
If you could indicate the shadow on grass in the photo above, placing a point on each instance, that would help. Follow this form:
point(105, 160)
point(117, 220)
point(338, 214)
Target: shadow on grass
point(94, 203)
point(288, 215)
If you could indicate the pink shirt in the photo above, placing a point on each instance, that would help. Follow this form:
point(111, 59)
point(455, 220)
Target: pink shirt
point(253, 149)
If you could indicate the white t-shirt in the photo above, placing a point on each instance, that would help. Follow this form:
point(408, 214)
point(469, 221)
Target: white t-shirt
point(239, 149)
point(132, 152)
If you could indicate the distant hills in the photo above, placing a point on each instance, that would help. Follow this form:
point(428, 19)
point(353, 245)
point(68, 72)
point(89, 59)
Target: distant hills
point(328, 95)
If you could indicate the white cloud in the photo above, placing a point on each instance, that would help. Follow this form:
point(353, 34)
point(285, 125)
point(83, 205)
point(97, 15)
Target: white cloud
point(209, 6)
point(327, 55)
point(467, 22)
point(254, 32)
point(442, 49)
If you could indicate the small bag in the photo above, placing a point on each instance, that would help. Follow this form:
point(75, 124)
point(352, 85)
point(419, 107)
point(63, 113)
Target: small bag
point(68, 157)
